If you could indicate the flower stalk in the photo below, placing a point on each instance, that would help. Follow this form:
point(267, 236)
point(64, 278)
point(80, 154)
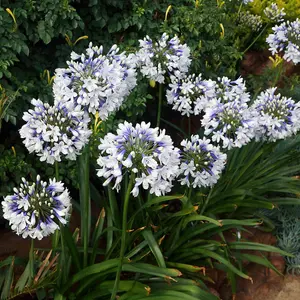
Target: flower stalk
point(123, 238)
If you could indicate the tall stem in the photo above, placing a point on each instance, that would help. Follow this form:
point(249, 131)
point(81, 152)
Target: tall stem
point(206, 202)
point(31, 260)
point(85, 203)
point(254, 41)
point(55, 236)
point(123, 238)
point(160, 96)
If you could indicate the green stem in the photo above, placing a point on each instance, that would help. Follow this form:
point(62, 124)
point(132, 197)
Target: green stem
point(31, 260)
point(123, 238)
point(55, 236)
point(206, 202)
point(113, 206)
point(160, 96)
point(254, 41)
point(85, 203)
point(190, 195)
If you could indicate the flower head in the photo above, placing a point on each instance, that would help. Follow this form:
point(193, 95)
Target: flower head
point(231, 124)
point(37, 209)
point(55, 131)
point(97, 82)
point(145, 151)
point(191, 94)
point(167, 56)
point(201, 162)
point(274, 13)
point(278, 117)
point(246, 19)
point(286, 38)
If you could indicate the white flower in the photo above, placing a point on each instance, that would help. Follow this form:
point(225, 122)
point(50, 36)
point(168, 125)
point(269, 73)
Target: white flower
point(246, 19)
point(166, 56)
point(201, 162)
point(286, 38)
point(56, 131)
point(145, 151)
point(96, 81)
point(273, 13)
point(37, 210)
point(278, 117)
point(231, 124)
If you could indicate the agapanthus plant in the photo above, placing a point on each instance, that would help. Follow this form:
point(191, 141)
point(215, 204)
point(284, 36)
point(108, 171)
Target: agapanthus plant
point(144, 151)
point(246, 19)
point(191, 94)
point(97, 82)
point(166, 56)
point(286, 38)
point(54, 132)
point(201, 162)
point(278, 117)
point(37, 209)
point(274, 13)
point(231, 124)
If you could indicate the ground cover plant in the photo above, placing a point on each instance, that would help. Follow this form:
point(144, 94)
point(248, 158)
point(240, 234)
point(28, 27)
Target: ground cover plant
point(165, 152)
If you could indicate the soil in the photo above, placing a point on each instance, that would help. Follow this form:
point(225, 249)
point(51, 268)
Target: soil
point(290, 290)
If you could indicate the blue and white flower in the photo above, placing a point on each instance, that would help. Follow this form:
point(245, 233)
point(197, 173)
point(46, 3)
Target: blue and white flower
point(190, 95)
point(247, 1)
point(96, 82)
point(37, 209)
point(286, 38)
point(231, 124)
point(164, 57)
point(54, 132)
point(145, 151)
point(278, 117)
point(274, 13)
point(201, 162)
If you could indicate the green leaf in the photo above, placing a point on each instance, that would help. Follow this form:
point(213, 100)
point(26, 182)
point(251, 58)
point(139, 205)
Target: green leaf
point(151, 270)
point(201, 218)
point(8, 281)
point(222, 260)
point(257, 247)
point(154, 247)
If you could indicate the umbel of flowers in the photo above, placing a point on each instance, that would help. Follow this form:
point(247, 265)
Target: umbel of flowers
point(164, 57)
point(53, 132)
point(147, 152)
point(96, 82)
point(286, 38)
point(37, 209)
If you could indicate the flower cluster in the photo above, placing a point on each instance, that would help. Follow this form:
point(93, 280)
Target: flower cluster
point(274, 13)
point(191, 94)
point(145, 151)
point(155, 59)
point(55, 131)
point(286, 38)
point(246, 19)
point(37, 209)
point(202, 163)
point(231, 124)
point(278, 117)
point(227, 90)
point(97, 82)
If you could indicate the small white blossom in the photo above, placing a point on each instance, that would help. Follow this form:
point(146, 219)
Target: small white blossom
point(37, 209)
point(147, 152)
